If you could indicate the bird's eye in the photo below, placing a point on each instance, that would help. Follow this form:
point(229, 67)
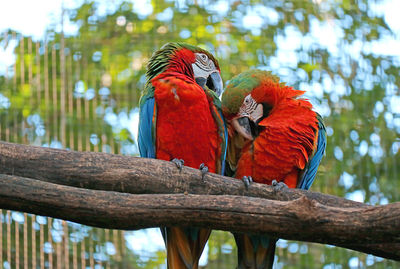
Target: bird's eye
point(204, 63)
point(202, 58)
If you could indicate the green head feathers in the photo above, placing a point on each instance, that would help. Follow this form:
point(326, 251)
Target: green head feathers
point(160, 61)
point(240, 86)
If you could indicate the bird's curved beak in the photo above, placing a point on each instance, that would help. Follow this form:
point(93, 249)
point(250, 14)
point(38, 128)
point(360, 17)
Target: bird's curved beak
point(242, 126)
point(214, 83)
point(246, 124)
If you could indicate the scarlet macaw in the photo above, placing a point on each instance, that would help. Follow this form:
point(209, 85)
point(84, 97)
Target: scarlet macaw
point(274, 137)
point(181, 120)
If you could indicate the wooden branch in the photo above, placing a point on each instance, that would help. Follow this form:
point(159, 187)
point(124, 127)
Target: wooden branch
point(101, 171)
point(140, 176)
point(299, 219)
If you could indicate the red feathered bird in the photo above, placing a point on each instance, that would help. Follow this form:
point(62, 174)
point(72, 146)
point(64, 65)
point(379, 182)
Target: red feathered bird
point(181, 120)
point(274, 138)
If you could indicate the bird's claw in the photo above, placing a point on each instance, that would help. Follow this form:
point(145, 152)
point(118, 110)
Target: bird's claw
point(204, 169)
point(247, 180)
point(278, 186)
point(178, 162)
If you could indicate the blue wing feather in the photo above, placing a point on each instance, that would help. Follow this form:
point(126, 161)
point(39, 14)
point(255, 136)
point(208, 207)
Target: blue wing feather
point(225, 149)
point(145, 134)
point(312, 167)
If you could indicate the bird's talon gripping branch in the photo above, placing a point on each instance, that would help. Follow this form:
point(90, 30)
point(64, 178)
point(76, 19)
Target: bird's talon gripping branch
point(278, 186)
point(247, 180)
point(179, 163)
point(204, 170)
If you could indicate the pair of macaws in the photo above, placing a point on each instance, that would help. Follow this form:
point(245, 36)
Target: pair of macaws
point(262, 131)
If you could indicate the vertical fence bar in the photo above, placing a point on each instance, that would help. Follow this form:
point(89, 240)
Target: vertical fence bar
point(55, 125)
point(89, 248)
point(38, 76)
point(30, 75)
point(98, 127)
point(97, 249)
point(62, 82)
point(74, 256)
point(101, 246)
point(116, 245)
point(91, 260)
point(6, 135)
point(14, 131)
point(22, 60)
point(18, 138)
point(83, 252)
point(16, 228)
point(85, 123)
point(5, 131)
point(106, 240)
point(91, 113)
point(33, 241)
point(41, 242)
point(70, 94)
point(74, 250)
point(50, 240)
point(66, 241)
point(9, 258)
point(122, 242)
point(59, 251)
point(1, 237)
point(46, 92)
point(78, 107)
point(26, 240)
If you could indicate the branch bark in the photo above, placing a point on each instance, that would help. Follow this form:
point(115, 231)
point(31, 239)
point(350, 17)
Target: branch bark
point(289, 214)
point(110, 172)
point(299, 219)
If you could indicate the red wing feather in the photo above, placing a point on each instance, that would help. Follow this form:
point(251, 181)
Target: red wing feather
point(185, 126)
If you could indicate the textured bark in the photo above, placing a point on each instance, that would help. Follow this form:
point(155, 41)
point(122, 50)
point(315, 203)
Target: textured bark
point(299, 219)
point(290, 214)
point(101, 171)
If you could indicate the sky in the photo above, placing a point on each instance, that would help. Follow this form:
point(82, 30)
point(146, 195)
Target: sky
point(31, 17)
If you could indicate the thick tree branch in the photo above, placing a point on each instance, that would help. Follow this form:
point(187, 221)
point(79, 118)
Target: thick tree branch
point(299, 219)
point(101, 171)
point(340, 222)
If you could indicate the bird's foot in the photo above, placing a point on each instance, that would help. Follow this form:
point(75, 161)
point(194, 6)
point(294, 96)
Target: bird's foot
point(247, 180)
point(278, 186)
point(178, 162)
point(204, 170)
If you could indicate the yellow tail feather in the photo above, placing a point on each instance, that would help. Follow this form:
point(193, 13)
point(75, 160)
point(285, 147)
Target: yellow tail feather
point(182, 251)
point(254, 257)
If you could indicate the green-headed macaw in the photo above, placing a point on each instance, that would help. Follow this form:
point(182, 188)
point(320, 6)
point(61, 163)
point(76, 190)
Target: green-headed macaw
point(181, 120)
point(274, 138)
